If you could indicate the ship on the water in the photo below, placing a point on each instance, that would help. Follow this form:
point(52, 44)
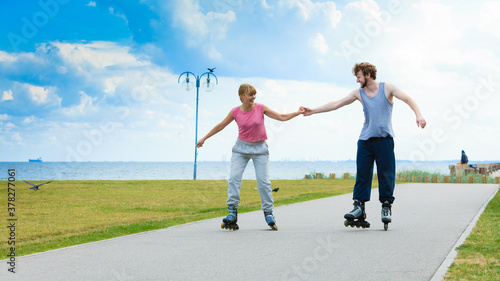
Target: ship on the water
point(39, 159)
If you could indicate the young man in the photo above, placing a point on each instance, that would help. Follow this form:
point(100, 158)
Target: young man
point(375, 141)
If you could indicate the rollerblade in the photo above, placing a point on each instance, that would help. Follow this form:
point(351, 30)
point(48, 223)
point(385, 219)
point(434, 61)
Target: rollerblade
point(271, 221)
point(229, 222)
point(357, 216)
point(386, 214)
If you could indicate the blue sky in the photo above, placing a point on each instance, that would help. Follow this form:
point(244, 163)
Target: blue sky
point(97, 80)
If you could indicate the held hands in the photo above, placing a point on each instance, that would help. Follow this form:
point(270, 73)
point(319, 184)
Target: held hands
point(306, 111)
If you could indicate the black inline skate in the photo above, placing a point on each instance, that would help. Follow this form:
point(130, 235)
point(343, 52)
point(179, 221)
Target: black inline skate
point(356, 218)
point(271, 221)
point(229, 222)
point(386, 214)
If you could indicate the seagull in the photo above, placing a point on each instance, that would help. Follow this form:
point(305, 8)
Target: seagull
point(35, 186)
point(211, 69)
point(276, 189)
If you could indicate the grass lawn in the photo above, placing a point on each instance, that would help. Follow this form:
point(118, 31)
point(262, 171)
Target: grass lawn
point(66, 213)
point(479, 256)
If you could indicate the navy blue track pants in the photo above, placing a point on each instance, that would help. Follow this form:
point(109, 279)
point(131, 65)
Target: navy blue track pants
point(381, 151)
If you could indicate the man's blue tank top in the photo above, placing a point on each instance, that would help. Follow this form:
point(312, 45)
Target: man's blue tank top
point(378, 115)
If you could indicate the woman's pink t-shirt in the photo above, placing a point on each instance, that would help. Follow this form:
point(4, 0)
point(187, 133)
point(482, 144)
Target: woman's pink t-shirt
point(250, 124)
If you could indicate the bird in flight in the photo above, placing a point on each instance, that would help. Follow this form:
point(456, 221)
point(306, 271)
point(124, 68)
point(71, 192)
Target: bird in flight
point(211, 69)
point(35, 186)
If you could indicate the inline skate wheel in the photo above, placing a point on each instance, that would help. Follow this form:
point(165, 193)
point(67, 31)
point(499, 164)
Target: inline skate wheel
point(345, 223)
point(386, 226)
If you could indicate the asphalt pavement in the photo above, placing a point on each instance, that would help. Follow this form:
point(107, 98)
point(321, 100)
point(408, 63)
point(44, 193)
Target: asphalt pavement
point(312, 243)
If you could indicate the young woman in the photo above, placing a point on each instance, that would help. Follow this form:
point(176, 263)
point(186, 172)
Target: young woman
point(251, 144)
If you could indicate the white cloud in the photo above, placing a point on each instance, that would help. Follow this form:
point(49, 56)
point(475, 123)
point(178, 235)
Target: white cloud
point(4, 116)
point(91, 4)
point(7, 95)
point(111, 83)
point(369, 8)
point(213, 53)
point(84, 108)
point(309, 10)
point(488, 19)
point(265, 5)
point(440, 24)
point(62, 70)
point(118, 14)
point(29, 120)
point(435, 41)
point(6, 57)
point(17, 138)
point(318, 43)
point(199, 26)
point(40, 95)
point(95, 55)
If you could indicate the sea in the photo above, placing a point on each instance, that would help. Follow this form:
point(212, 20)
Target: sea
point(290, 170)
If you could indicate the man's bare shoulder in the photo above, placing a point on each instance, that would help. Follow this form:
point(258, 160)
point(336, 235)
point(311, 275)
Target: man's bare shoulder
point(390, 88)
point(355, 94)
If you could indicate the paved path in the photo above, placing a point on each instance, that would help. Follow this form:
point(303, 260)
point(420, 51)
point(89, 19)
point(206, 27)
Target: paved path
point(311, 244)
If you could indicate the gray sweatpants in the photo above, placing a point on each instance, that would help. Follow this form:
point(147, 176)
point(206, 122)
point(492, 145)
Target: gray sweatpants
point(242, 153)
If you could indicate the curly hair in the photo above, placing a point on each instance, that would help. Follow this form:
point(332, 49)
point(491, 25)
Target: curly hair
point(366, 68)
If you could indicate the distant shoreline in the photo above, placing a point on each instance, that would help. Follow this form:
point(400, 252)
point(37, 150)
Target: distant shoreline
point(206, 170)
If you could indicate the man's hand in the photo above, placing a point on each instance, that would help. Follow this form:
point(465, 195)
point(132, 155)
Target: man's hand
point(306, 111)
point(421, 122)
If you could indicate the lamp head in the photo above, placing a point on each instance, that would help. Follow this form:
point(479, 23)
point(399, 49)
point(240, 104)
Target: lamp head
point(187, 84)
point(208, 85)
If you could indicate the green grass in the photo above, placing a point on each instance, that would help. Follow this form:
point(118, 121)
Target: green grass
point(479, 256)
point(66, 213)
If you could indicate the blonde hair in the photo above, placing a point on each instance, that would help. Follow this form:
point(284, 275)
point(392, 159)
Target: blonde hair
point(244, 88)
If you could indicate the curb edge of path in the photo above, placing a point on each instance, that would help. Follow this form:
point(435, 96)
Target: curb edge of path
point(450, 258)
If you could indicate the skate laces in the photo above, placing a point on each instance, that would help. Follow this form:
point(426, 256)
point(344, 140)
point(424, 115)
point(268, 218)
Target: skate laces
point(356, 209)
point(233, 211)
point(269, 217)
point(386, 211)
point(386, 208)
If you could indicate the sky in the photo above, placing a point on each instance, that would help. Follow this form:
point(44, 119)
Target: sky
point(98, 80)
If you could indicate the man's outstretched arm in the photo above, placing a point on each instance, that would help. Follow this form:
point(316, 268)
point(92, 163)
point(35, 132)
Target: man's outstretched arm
point(396, 92)
point(334, 105)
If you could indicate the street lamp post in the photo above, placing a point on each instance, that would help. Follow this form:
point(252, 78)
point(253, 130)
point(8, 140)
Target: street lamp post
point(208, 85)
